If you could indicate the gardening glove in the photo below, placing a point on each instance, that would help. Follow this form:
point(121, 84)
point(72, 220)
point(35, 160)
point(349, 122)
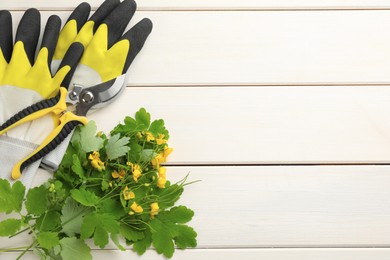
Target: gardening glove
point(25, 81)
point(56, 105)
point(106, 59)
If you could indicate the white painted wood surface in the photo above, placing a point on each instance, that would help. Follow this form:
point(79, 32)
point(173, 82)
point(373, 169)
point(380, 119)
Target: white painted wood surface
point(244, 254)
point(266, 83)
point(211, 4)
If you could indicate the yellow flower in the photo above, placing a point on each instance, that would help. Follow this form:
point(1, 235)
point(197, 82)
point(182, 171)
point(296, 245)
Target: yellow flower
point(149, 136)
point(136, 170)
point(160, 139)
point(154, 208)
point(121, 174)
point(136, 208)
point(161, 182)
point(162, 177)
point(157, 160)
point(96, 162)
point(127, 195)
point(161, 157)
point(162, 172)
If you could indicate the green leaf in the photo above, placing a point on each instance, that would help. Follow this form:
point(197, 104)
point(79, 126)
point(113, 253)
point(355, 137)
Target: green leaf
point(11, 198)
point(162, 238)
point(85, 138)
point(36, 202)
point(143, 119)
point(165, 230)
point(99, 225)
point(140, 246)
point(169, 195)
point(48, 240)
point(100, 237)
point(131, 234)
point(186, 236)
point(48, 221)
point(40, 253)
point(117, 147)
point(129, 126)
point(85, 197)
point(73, 248)
point(77, 167)
point(147, 155)
point(10, 226)
point(158, 127)
point(72, 217)
point(130, 122)
point(180, 214)
point(115, 239)
point(67, 160)
point(112, 207)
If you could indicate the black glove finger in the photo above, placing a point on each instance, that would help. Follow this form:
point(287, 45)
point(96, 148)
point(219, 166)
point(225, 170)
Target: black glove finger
point(50, 36)
point(6, 42)
point(80, 15)
point(72, 58)
point(103, 11)
point(137, 37)
point(28, 32)
point(118, 20)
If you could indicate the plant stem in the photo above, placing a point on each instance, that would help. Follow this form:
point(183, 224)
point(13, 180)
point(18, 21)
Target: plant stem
point(21, 231)
point(12, 249)
point(25, 250)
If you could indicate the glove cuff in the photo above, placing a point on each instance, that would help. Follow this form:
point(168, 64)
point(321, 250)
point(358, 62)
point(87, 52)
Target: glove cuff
point(13, 150)
point(53, 159)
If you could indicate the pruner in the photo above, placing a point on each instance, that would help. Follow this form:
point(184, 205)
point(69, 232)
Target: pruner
point(71, 107)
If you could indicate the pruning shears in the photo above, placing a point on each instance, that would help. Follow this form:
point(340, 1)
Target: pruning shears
point(71, 107)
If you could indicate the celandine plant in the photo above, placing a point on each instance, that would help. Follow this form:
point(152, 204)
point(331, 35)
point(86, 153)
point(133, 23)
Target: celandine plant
point(106, 188)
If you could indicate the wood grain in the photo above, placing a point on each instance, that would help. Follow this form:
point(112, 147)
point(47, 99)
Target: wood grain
point(211, 4)
point(261, 125)
point(243, 254)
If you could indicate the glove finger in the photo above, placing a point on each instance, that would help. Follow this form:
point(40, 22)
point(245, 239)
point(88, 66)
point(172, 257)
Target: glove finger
point(137, 37)
point(80, 15)
point(28, 32)
point(71, 59)
point(103, 11)
point(118, 20)
point(50, 36)
point(6, 42)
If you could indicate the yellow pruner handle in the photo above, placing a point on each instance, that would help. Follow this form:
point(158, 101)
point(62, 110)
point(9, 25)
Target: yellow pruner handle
point(54, 105)
point(68, 121)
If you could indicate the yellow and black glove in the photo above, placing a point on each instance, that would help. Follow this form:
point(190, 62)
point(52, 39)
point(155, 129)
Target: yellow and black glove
point(25, 81)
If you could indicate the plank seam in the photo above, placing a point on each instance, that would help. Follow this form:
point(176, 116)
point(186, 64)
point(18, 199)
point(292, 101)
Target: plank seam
point(235, 9)
point(265, 84)
point(272, 164)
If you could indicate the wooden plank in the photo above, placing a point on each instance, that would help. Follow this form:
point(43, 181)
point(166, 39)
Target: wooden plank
point(263, 48)
point(261, 125)
point(211, 4)
point(277, 206)
point(243, 254)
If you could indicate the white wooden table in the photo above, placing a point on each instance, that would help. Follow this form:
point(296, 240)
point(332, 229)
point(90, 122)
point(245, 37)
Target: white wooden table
point(281, 108)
